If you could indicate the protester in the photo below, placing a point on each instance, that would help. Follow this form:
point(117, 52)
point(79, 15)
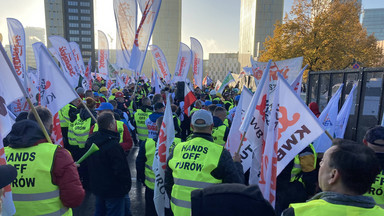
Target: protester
point(374, 139)
point(150, 122)
point(47, 169)
point(346, 173)
point(220, 130)
point(8, 174)
point(212, 165)
point(110, 177)
point(140, 117)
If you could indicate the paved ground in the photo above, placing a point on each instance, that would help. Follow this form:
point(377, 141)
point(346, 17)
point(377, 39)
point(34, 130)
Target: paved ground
point(136, 194)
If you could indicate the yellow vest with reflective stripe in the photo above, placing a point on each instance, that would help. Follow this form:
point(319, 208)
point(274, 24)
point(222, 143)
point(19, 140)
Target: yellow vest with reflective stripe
point(174, 143)
point(78, 131)
point(64, 115)
point(33, 191)
point(193, 110)
point(192, 164)
point(120, 129)
point(226, 123)
point(297, 166)
point(218, 134)
point(377, 189)
point(150, 148)
point(142, 130)
point(322, 208)
point(112, 97)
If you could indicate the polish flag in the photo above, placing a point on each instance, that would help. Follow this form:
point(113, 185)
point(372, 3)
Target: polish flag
point(189, 99)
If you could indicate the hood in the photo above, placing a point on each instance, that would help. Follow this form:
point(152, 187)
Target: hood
point(217, 121)
point(24, 134)
point(84, 114)
point(154, 116)
point(146, 108)
point(103, 137)
point(314, 108)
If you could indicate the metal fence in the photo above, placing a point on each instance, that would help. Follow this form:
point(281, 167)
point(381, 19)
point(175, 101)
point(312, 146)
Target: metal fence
point(368, 103)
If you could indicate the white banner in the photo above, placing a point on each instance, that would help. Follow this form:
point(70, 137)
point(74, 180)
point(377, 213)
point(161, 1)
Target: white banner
point(183, 62)
point(80, 63)
point(343, 116)
point(166, 137)
point(161, 63)
point(197, 62)
point(65, 56)
point(16, 38)
point(150, 10)
point(103, 54)
point(328, 119)
point(126, 22)
point(228, 79)
point(296, 84)
point(234, 136)
point(289, 68)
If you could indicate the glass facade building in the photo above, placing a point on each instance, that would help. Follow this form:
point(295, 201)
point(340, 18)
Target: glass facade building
point(373, 20)
point(257, 19)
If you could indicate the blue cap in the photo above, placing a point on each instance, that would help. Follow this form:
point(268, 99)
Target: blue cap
point(95, 94)
point(207, 103)
point(219, 105)
point(105, 106)
point(237, 98)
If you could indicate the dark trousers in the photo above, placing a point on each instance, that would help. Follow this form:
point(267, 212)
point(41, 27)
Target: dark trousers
point(150, 209)
point(110, 206)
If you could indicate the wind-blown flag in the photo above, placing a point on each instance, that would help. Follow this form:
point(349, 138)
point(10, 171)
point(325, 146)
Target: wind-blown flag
point(65, 56)
point(80, 63)
point(119, 82)
point(234, 136)
point(103, 55)
point(197, 62)
point(296, 84)
point(157, 82)
point(292, 127)
point(126, 21)
point(16, 38)
point(189, 99)
point(183, 62)
point(150, 10)
point(289, 68)
point(161, 63)
point(217, 86)
point(52, 86)
point(9, 91)
point(328, 119)
point(343, 116)
point(166, 137)
point(207, 80)
point(87, 75)
point(247, 70)
point(228, 79)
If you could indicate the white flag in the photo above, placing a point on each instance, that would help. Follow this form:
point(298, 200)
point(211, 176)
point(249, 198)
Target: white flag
point(183, 62)
point(103, 55)
point(343, 116)
point(52, 86)
point(150, 10)
point(234, 136)
point(126, 22)
point(16, 37)
point(65, 56)
point(166, 137)
point(119, 82)
point(161, 63)
point(296, 84)
point(217, 86)
point(328, 118)
point(80, 63)
point(197, 62)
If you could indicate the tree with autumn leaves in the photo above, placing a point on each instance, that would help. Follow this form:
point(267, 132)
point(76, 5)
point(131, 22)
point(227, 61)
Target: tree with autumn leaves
point(328, 36)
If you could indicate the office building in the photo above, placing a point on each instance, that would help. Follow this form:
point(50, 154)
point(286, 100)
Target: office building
point(73, 20)
point(373, 21)
point(219, 64)
point(257, 19)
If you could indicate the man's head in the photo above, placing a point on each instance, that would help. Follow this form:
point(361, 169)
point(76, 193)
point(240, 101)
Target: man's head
point(157, 98)
point(88, 93)
point(119, 97)
point(174, 108)
point(103, 90)
point(220, 113)
point(198, 104)
point(146, 101)
point(104, 107)
point(211, 108)
point(348, 169)
point(114, 103)
point(202, 121)
point(159, 107)
point(374, 138)
point(80, 92)
point(106, 120)
point(45, 116)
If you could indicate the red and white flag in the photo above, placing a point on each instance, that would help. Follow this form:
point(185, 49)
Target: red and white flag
point(16, 37)
point(87, 75)
point(189, 99)
point(52, 86)
point(292, 127)
point(166, 137)
point(161, 63)
point(197, 62)
point(80, 63)
point(296, 84)
point(184, 59)
point(103, 55)
point(9, 91)
point(63, 53)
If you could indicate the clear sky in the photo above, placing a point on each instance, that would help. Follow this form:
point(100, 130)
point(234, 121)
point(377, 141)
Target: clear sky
point(215, 23)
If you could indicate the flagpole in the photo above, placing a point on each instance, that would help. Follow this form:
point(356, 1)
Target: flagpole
point(37, 117)
point(241, 142)
point(328, 134)
point(89, 111)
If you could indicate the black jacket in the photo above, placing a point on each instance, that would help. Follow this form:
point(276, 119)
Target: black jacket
point(109, 173)
point(227, 170)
